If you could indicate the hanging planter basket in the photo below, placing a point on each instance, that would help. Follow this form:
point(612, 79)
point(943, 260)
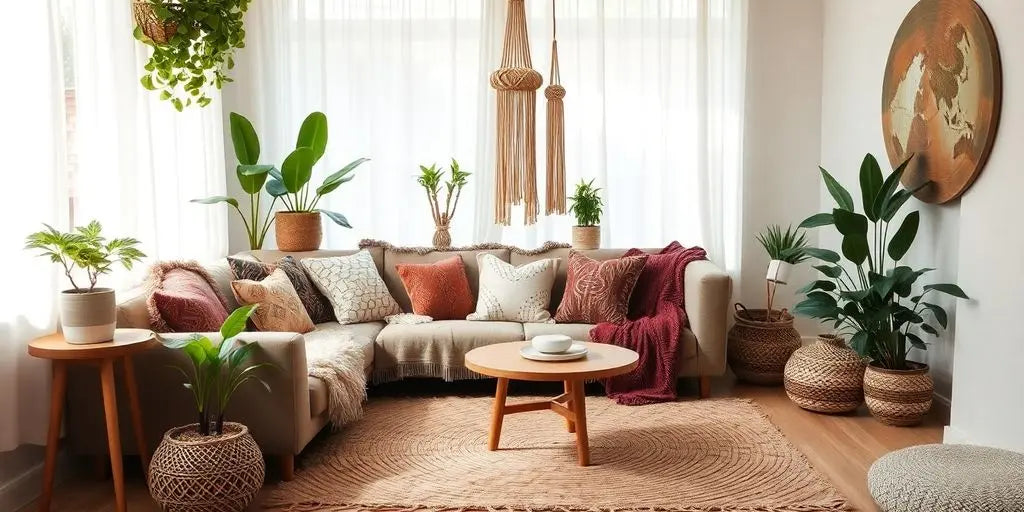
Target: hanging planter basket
point(151, 25)
point(826, 377)
point(760, 344)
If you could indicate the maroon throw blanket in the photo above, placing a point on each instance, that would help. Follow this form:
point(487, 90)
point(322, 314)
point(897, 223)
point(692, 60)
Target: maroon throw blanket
point(656, 321)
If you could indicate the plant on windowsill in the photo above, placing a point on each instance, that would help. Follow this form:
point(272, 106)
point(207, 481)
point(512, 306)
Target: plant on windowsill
point(430, 179)
point(193, 45)
point(879, 304)
point(87, 315)
point(212, 464)
point(587, 208)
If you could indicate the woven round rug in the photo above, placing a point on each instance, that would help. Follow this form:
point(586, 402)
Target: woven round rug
point(431, 454)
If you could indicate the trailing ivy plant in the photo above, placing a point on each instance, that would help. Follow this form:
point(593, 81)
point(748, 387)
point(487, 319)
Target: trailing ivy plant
point(586, 204)
point(187, 64)
point(878, 304)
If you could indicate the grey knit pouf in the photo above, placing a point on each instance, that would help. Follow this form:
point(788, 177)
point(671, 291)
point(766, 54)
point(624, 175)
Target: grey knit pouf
point(948, 478)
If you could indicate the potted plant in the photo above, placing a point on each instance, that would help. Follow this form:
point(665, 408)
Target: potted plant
point(212, 464)
point(251, 176)
point(87, 314)
point(874, 298)
point(761, 340)
point(586, 207)
point(193, 45)
point(298, 227)
point(430, 179)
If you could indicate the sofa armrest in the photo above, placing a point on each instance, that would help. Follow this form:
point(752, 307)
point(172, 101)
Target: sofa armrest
point(707, 290)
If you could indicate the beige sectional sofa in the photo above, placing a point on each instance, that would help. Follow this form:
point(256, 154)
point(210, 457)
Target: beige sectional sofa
point(286, 419)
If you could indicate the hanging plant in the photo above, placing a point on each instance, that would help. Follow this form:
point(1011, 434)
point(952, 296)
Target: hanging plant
point(193, 45)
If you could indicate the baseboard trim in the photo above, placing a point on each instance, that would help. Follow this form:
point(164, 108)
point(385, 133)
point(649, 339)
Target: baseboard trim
point(22, 489)
point(953, 435)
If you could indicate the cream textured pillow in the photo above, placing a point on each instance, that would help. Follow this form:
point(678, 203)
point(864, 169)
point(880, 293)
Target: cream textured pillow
point(514, 294)
point(354, 287)
point(280, 309)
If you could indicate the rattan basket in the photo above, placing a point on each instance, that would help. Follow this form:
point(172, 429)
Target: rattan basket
point(151, 24)
point(193, 473)
point(759, 345)
point(899, 397)
point(827, 376)
point(298, 231)
point(586, 237)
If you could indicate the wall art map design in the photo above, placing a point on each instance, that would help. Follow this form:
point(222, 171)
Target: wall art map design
point(941, 96)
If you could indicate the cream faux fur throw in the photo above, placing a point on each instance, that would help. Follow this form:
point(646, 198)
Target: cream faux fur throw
point(338, 361)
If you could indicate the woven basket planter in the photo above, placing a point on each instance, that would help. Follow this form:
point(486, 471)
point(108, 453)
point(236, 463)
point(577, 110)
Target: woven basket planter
point(193, 473)
point(827, 376)
point(442, 237)
point(298, 231)
point(759, 346)
point(586, 237)
point(898, 397)
point(147, 20)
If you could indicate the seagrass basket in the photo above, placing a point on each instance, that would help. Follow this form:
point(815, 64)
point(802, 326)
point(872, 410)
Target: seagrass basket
point(151, 25)
point(586, 237)
point(298, 231)
point(898, 397)
point(194, 473)
point(827, 376)
point(760, 344)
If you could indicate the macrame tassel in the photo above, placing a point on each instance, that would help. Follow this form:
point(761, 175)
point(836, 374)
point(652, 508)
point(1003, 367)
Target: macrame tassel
point(516, 147)
point(555, 196)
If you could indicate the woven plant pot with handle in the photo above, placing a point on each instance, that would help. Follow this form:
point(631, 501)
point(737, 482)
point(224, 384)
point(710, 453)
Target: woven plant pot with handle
point(194, 473)
point(298, 231)
point(759, 346)
point(827, 376)
point(898, 397)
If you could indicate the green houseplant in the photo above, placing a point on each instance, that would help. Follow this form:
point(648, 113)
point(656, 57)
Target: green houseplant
point(430, 179)
point(587, 208)
point(212, 464)
point(193, 45)
point(87, 315)
point(785, 248)
point(251, 176)
point(874, 298)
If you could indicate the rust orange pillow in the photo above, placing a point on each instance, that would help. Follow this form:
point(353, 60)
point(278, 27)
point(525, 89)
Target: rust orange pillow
point(439, 290)
point(598, 291)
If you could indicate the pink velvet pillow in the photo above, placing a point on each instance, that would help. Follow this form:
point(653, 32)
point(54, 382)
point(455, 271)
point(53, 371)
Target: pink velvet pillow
point(184, 298)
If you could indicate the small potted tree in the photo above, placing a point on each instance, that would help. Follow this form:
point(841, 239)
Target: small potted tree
point(430, 179)
point(87, 314)
point(212, 464)
point(587, 208)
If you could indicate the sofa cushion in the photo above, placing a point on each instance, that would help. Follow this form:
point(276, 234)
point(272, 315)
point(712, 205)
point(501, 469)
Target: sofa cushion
point(274, 255)
point(317, 396)
point(278, 306)
point(562, 255)
point(688, 343)
point(394, 257)
point(436, 349)
point(353, 286)
point(439, 290)
point(183, 297)
point(598, 291)
point(363, 334)
point(515, 294)
point(316, 305)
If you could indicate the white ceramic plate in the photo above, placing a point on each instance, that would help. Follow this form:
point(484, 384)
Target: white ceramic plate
point(576, 351)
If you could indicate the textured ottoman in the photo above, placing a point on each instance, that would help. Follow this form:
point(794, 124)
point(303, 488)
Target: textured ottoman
point(948, 477)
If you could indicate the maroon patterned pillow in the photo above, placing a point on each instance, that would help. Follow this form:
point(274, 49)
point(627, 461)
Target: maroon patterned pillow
point(598, 291)
point(184, 298)
point(317, 306)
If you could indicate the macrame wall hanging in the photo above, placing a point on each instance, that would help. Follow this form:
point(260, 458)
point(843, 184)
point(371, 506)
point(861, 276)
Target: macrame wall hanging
point(516, 83)
point(555, 196)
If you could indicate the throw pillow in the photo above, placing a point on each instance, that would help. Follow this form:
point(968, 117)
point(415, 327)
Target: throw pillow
point(279, 308)
point(354, 287)
point(317, 306)
point(184, 298)
point(514, 294)
point(439, 290)
point(598, 291)
point(407, 319)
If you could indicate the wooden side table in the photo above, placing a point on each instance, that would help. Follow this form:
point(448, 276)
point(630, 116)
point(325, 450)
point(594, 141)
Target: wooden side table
point(126, 343)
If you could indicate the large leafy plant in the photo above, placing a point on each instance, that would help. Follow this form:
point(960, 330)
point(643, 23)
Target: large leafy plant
point(878, 304)
point(787, 246)
point(85, 248)
point(586, 204)
point(193, 45)
point(251, 176)
point(431, 179)
point(218, 369)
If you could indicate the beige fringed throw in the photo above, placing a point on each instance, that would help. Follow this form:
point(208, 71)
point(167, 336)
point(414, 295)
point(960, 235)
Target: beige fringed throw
point(516, 83)
point(555, 196)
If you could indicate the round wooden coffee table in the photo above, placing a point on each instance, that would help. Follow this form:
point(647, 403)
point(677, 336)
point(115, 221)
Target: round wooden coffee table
point(502, 360)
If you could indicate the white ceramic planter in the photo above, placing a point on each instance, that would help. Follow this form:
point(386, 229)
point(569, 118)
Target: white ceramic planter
point(88, 317)
point(778, 271)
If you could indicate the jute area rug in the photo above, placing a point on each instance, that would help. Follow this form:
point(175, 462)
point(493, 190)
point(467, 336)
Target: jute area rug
point(431, 454)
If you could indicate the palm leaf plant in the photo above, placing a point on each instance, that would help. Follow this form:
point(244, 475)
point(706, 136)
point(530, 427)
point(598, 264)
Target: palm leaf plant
point(783, 247)
point(218, 369)
point(873, 297)
point(430, 179)
point(586, 204)
point(84, 248)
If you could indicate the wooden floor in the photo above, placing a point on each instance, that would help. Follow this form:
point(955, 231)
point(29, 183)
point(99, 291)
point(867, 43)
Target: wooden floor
point(841, 447)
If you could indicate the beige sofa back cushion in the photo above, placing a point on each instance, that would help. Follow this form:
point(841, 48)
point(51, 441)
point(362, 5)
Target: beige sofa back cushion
point(394, 281)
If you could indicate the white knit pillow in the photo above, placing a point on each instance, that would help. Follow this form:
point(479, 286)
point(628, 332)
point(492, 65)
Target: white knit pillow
point(514, 294)
point(354, 287)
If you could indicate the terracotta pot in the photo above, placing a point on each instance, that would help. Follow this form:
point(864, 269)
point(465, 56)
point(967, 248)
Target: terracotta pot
point(827, 376)
point(898, 397)
point(298, 231)
point(88, 317)
point(147, 20)
point(586, 237)
point(759, 346)
point(442, 238)
point(194, 473)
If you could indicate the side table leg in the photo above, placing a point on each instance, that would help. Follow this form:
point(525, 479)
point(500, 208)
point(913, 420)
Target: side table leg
point(59, 385)
point(569, 425)
point(133, 402)
point(579, 407)
point(497, 413)
point(113, 432)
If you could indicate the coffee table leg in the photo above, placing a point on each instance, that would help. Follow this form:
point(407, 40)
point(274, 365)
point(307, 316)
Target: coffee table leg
point(497, 413)
point(569, 425)
point(579, 407)
point(60, 379)
point(113, 432)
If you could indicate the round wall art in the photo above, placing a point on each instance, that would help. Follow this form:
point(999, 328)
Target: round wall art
point(941, 96)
